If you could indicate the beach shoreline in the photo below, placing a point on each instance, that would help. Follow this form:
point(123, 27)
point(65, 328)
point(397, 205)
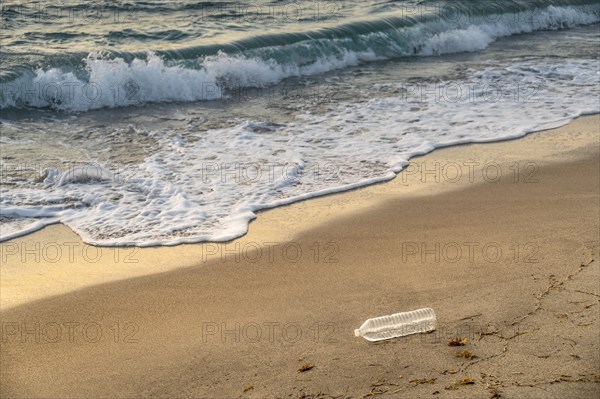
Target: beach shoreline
point(500, 239)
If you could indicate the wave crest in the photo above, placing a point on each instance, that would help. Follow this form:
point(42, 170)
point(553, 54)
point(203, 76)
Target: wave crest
point(116, 82)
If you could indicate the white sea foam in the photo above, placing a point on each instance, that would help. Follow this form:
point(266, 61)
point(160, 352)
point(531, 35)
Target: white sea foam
point(478, 36)
point(208, 184)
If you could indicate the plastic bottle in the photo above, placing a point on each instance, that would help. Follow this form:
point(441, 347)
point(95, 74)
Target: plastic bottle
point(397, 325)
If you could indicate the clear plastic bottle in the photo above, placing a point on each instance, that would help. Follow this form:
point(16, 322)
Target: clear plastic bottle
point(397, 325)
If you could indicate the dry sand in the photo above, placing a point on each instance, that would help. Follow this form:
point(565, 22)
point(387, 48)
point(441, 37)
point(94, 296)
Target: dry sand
point(508, 262)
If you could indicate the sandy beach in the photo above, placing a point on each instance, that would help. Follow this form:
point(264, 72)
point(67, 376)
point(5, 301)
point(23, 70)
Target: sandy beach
point(500, 239)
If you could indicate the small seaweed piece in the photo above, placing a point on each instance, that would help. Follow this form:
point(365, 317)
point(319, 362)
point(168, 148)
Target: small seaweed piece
point(423, 381)
point(249, 387)
point(382, 382)
point(458, 342)
point(464, 381)
point(305, 367)
point(375, 391)
point(466, 354)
